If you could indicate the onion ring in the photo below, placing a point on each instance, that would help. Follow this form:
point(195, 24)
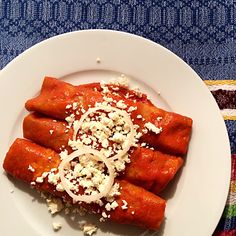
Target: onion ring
point(86, 198)
point(130, 136)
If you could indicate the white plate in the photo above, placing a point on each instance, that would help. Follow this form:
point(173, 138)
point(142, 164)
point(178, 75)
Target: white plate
point(197, 197)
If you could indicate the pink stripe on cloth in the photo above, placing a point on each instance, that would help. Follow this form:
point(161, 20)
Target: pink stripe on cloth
point(226, 233)
point(233, 173)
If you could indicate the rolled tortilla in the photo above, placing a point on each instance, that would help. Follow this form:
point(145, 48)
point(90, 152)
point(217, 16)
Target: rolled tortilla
point(56, 95)
point(144, 208)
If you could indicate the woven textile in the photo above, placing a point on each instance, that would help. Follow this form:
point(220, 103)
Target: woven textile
point(203, 33)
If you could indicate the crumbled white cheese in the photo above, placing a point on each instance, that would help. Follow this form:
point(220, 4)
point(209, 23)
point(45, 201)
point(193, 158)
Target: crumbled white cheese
point(105, 89)
point(115, 88)
point(60, 188)
point(118, 137)
point(119, 165)
point(139, 117)
point(125, 205)
point(121, 104)
point(51, 131)
point(115, 191)
point(105, 143)
point(54, 205)
point(121, 81)
point(136, 127)
point(45, 174)
point(107, 121)
point(111, 206)
point(114, 205)
point(86, 141)
point(145, 131)
point(107, 99)
point(153, 128)
point(39, 179)
point(30, 168)
point(56, 226)
point(63, 154)
point(70, 119)
point(127, 95)
point(53, 178)
point(75, 105)
point(138, 135)
point(137, 92)
point(104, 215)
point(68, 106)
point(131, 108)
point(114, 116)
point(89, 229)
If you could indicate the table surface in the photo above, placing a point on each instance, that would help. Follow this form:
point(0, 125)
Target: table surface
point(202, 33)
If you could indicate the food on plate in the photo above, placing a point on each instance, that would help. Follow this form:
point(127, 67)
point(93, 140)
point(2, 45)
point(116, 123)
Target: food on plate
point(148, 168)
point(103, 147)
point(28, 161)
point(175, 130)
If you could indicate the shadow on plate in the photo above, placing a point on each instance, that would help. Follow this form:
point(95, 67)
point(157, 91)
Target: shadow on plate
point(169, 191)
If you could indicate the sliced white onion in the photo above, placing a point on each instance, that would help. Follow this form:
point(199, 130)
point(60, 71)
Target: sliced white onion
point(130, 136)
point(97, 156)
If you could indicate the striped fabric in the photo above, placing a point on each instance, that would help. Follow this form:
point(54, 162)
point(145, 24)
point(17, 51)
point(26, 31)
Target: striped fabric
point(224, 91)
point(202, 33)
point(227, 224)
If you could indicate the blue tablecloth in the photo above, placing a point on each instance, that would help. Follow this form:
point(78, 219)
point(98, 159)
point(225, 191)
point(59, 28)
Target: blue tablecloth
point(202, 33)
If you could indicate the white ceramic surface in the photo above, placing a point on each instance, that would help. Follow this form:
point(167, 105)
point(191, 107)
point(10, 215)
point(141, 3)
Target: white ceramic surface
point(197, 196)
